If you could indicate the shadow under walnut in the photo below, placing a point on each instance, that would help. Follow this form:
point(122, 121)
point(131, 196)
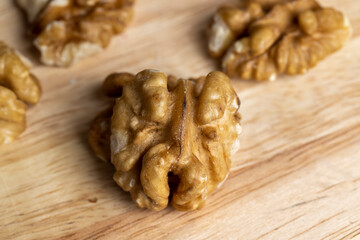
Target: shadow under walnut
point(169, 139)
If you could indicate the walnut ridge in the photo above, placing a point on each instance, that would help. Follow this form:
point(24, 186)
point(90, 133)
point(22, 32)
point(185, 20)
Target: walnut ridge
point(262, 39)
point(171, 139)
point(17, 86)
point(69, 30)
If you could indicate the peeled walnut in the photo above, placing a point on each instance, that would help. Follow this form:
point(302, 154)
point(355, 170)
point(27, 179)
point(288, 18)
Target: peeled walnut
point(17, 85)
point(69, 30)
point(170, 138)
point(12, 116)
point(289, 37)
point(15, 75)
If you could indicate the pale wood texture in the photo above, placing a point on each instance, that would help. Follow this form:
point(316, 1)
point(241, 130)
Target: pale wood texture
point(296, 176)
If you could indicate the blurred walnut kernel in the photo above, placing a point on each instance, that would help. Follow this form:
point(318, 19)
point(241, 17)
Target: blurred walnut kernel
point(17, 86)
point(69, 30)
point(262, 39)
point(169, 139)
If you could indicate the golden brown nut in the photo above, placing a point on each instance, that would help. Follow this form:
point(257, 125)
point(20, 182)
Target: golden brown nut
point(178, 133)
point(113, 84)
point(69, 30)
point(32, 7)
point(291, 37)
point(17, 85)
point(12, 116)
point(99, 132)
point(15, 75)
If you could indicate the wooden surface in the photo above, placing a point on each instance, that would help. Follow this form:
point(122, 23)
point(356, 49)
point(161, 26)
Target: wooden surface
point(296, 176)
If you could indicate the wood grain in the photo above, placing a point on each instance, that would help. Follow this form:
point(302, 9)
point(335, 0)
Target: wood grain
point(296, 176)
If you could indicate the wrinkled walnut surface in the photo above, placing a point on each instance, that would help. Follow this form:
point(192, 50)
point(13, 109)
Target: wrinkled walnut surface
point(69, 30)
point(15, 75)
point(262, 39)
point(170, 139)
point(17, 85)
point(12, 116)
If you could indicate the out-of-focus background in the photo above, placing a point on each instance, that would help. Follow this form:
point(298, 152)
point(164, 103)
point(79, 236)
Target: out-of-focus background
point(296, 175)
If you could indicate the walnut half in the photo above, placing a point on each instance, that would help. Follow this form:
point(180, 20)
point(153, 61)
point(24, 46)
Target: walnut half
point(281, 36)
point(17, 86)
point(69, 30)
point(170, 138)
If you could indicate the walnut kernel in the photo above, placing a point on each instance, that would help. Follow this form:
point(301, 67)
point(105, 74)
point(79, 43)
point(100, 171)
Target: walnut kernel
point(17, 85)
point(290, 36)
point(170, 138)
point(12, 116)
point(69, 30)
point(15, 75)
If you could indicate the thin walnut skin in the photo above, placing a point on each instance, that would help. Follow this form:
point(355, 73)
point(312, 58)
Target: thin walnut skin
point(67, 31)
point(17, 86)
point(287, 36)
point(173, 132)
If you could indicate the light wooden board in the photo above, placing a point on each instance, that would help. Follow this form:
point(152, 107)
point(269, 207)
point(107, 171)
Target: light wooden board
point(296, 176)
